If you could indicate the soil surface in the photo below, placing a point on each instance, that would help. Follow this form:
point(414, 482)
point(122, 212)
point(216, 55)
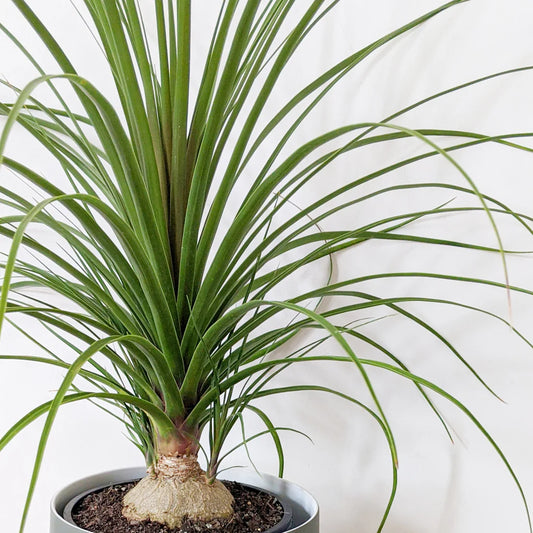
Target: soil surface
point(101, 512)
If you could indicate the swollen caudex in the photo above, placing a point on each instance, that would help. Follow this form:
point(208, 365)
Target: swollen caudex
point(175, 488)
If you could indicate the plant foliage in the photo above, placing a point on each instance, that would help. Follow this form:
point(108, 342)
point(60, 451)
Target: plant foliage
point(177, 300)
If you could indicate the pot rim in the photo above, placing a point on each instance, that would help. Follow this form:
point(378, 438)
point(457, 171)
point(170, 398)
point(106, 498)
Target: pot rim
point(58, 503)
point(283, 525)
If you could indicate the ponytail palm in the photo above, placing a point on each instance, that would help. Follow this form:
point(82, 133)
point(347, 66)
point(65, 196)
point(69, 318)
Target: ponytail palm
point(179, 302)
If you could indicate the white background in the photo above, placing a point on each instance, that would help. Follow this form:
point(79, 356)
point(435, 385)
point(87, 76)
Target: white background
point(443, 488)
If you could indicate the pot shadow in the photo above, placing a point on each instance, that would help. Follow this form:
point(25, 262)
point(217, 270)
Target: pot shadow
point(393, 525)
point(402, 528)
point(368, 518)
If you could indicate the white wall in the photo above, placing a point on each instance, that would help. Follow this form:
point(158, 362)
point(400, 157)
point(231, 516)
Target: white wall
point(443, 488)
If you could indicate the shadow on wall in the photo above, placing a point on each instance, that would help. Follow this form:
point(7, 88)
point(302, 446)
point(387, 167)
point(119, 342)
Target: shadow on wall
point(367, 520)
point(394, 525)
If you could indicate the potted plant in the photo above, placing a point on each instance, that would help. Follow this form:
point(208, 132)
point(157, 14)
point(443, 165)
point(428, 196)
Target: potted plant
point(182, 218)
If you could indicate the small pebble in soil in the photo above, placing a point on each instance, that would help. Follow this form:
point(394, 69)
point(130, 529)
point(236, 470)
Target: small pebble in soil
point(101, 512)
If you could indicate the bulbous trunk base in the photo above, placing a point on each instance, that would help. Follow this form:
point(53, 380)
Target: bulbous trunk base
point(177, 487)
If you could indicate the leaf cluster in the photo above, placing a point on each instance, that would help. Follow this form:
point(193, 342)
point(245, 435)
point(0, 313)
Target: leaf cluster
point(171, 315)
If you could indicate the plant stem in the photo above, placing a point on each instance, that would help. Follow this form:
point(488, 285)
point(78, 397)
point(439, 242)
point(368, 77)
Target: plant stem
point(184, 441)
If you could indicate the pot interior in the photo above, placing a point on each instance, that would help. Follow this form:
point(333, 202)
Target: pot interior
point(282, 526)
point(304, 506)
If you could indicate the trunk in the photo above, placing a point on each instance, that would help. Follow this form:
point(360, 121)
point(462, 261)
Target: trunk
point(176, 487)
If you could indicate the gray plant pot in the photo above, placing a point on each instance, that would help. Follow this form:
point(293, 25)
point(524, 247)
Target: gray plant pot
point(305, 507)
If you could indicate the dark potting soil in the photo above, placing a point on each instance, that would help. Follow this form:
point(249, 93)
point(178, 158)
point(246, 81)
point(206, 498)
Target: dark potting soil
point(101, 512)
